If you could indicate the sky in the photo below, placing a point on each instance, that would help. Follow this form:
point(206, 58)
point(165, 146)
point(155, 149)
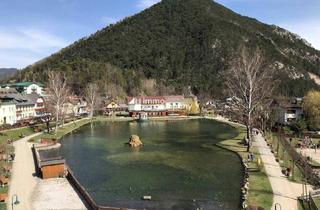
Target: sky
point(31, 30)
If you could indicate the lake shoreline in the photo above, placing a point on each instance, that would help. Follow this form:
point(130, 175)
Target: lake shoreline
point(85, 195)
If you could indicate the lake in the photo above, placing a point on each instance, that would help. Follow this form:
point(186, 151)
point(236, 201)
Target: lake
point(179, 164)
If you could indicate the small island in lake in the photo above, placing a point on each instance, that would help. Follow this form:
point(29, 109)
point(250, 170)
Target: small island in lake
point(135, 141)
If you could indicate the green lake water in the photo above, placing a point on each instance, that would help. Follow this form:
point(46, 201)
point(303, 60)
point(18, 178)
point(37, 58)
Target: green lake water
point(178, 166)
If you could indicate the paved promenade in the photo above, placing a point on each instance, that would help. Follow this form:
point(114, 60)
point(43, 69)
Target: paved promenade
point(34, 193)
point(285, 192)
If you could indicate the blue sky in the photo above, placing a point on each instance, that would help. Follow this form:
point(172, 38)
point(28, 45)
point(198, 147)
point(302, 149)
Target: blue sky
point(33, 29)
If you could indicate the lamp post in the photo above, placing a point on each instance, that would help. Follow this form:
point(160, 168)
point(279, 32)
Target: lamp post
point(14, 201)
point(276, 206)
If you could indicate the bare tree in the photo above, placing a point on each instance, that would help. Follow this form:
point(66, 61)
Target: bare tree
point(58, 92)
point(250, 83)
point(91, 95)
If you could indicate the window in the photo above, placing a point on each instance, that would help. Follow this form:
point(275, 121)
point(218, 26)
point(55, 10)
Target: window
point(291, 111)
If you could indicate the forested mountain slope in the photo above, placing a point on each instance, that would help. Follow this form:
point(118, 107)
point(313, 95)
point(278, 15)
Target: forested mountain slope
point(177, 44)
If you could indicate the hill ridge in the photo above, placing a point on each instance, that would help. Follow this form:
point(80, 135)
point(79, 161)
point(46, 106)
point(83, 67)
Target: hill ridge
point(178, 44)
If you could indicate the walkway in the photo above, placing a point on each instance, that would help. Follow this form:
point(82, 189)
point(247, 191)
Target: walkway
point(24, 183)
point(285, 192)
point(23, 180)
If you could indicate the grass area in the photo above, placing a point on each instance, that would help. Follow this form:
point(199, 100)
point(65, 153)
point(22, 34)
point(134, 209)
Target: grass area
point(260, 191)
point(67, 128)
point(284, 158)
point(15, 134)
point(3, 206)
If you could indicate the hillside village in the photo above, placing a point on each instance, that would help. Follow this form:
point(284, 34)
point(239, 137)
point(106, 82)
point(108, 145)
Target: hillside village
point(24, 102)
point(162, 105)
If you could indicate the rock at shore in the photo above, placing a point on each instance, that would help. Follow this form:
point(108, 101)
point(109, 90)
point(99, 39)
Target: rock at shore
point(135, 141)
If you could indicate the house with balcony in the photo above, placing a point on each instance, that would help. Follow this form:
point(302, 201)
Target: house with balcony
point(25, 106)
point(289, 111)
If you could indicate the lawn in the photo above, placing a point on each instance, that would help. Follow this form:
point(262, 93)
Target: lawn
point(317, 201)
point(3, 206)
point(67, 128)
point(260, 191)
point(15, 134)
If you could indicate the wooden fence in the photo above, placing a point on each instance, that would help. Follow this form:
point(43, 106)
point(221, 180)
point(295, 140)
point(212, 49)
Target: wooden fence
point(301, 162)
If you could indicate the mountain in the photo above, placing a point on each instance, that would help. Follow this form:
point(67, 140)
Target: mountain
point(178, 45)
point(6, 73)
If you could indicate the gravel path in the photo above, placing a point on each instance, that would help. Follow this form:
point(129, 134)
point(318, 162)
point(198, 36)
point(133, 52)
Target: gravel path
point(23, 180)
point(33, 192)
point(285, 192)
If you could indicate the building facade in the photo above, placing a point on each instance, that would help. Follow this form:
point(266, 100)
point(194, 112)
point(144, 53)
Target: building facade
point(7, 111)
point(163, 105)
point(26, 87)
point(289, 111)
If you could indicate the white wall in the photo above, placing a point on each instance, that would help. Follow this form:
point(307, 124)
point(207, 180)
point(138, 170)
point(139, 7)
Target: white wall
point(33, 88)
point(8, 113)
point(175, 105)
point(25, 112)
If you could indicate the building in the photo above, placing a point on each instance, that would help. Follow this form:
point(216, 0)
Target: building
point(114, 108)
point(152, 105)
point(75, 106)
point(26, 87)
point(163, 105)
point(7, 90)
point(7, 111)
point(39, 108)
point(25, 106)
point(49, 162)
point(174, 103)
point(288, 111)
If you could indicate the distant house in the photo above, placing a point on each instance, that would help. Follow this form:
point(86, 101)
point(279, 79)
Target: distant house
point(39, 105)
point(175, 103)
point(7, 90)
point(289, 111)
point(75, 106)
point(26, 87)
point(7, 111)
point(163, 105)
point(153, 105)
point(114, 107)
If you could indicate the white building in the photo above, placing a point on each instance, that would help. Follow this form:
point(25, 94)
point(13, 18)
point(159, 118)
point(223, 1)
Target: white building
point(174, 103)
point(7, 111)
point(25, 105)
point(289, 111)
point(154, 106)
point(157, 105)
point(26, 87)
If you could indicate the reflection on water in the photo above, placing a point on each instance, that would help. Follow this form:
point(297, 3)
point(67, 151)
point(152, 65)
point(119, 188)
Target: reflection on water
point(178, 166)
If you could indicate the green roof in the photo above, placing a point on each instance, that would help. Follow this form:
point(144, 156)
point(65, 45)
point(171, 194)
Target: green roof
point(24, 84)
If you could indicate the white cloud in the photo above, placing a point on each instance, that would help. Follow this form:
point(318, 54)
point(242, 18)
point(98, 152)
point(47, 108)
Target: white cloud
point(143, 4)
point(307, 29)
point(20, 47)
